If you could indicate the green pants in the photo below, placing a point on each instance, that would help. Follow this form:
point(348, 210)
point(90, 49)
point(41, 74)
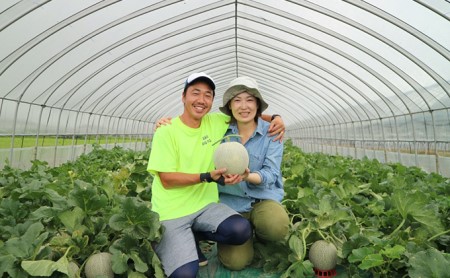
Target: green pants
point(270, 222)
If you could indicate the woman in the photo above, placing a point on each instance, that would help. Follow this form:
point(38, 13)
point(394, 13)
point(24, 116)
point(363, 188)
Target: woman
point(258, 197)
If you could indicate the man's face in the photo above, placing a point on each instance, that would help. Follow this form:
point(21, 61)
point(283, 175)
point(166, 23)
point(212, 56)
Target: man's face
point(198, 100)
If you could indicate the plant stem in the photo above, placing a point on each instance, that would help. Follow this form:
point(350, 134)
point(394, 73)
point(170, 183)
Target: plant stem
point(438, 235)
point(227, 137)
point(335, 237)
point(398, 228)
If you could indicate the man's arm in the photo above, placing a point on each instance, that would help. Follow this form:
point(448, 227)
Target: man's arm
point(276, 125)
point(176, 179)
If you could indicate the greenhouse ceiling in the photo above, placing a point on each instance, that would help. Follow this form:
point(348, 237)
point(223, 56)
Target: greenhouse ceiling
point(330, 68)
point(317, 62)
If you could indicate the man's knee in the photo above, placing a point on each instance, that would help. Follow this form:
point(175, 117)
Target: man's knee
point(237, 228)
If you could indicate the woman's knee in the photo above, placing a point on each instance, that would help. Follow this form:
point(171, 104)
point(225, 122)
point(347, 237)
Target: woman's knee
point(236, 257)
point(270, 220)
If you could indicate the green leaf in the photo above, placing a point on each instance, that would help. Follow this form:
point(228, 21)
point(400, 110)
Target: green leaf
point(133, 274)
point(394, 252)
point(416, 205)
point(45, 213)
point(85, 196)
point(136, 219)
point(359, 254)
point(6, 264)
point(139, 265)
point(296, 245)
point(39, 268)
point(25, 246)
point(371, 260)
point(46, 267)
point(119, 262)
point(430, 263)
point(72, 219)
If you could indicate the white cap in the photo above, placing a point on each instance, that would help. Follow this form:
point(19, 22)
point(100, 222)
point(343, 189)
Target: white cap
point(199, 75)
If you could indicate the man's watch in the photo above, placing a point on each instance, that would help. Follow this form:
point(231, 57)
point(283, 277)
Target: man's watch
point(274, 116)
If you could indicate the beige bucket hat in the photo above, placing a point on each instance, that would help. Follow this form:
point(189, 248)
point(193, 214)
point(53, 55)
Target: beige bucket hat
point(240, 85)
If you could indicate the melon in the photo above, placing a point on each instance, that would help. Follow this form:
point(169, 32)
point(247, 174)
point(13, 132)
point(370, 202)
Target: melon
point(99, 265)
point(233, 156)
point(323, 255)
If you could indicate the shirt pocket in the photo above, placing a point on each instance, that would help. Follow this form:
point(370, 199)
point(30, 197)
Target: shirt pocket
point(256, 162)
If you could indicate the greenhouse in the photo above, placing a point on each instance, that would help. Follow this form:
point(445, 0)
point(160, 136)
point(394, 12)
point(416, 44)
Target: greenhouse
point(362, 87)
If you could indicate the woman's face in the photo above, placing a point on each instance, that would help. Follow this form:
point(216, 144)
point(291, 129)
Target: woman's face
point(244, 107)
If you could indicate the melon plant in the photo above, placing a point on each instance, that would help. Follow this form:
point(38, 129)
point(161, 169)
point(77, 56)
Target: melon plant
point(233, 156)
point(323, 255)
point(73, 270)
point(99, 265)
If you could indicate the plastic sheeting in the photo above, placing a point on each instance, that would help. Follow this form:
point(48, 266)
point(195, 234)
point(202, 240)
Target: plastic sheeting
point(363, 78)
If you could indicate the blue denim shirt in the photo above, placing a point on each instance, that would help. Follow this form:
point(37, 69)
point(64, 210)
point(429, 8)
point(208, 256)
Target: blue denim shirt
point(265, 159)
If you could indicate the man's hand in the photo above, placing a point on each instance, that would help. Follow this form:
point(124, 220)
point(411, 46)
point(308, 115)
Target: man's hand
point(277, 128)
point(228, 179)
point(162, 121)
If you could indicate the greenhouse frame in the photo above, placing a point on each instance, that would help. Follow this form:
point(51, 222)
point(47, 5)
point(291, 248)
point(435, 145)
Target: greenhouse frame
point(358, 185)
point(358, 78)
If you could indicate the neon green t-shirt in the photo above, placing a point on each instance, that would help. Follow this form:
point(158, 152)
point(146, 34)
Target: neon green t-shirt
point(179, 148)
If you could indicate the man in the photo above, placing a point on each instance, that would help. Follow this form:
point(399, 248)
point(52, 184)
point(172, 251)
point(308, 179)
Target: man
point(184, 190)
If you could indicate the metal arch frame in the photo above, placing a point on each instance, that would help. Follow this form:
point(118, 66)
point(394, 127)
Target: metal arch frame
point(291, 87)
point(22, 50)
point(354, 44)
point(55, 58)
point(424, 67)
point(162, 96)
point(374, 73)
point(140, 102)
point(334, 104)
point(19, 101)
point(323, 85)
point(10, 59)
point(249, 68)
point(315, 65)
point(346, 56)
point(237, 65)
point(408, 28)
point(351, 43)
point(432, 9)
point(360, 27)
point(112, 62)
point(146, 67)
point(389, 18)
point(89, 36)
point(20, 6)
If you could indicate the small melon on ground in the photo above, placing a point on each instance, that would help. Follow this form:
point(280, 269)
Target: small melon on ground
point(323, 255)
point(99, 265)
point(233, 156)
